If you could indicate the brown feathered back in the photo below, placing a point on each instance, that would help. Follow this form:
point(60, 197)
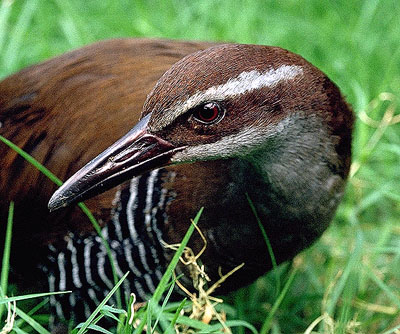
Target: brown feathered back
point(64, 112)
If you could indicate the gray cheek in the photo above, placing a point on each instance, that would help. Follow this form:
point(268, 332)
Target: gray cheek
point(297, 164)
point(335, 187)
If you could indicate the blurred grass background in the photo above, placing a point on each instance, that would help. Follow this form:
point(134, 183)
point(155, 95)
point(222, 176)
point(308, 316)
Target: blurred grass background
point(349, 281)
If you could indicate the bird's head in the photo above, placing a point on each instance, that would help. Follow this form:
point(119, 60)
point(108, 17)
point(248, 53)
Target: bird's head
point(250, 102)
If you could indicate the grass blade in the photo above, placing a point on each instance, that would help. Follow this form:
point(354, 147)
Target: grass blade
point(168, 273)
point(268, 243)
point(350, 266)
point(268, 321)
point(30, 296)
point(161, 309)
point(6, 257)
point(175, 317)
point(5, 10)
point(32, 161)
point(392, 295)
point(15, 40)
point(235, 323)
point(85, 325)
point(83, 207)
point(33, 323)
point(99, 329)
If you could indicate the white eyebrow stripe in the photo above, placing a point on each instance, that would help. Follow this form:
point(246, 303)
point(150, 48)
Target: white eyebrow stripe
point(244, 82)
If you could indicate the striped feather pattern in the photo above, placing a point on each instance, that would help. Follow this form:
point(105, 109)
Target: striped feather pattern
point(134, 234)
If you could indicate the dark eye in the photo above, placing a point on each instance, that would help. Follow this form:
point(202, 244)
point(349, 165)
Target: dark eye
point(208, 113)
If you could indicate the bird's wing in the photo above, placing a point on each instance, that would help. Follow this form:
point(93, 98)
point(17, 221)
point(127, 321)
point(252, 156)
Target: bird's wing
point(64, 112)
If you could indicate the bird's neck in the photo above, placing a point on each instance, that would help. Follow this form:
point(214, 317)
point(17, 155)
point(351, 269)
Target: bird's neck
point(302, 170)
point(295, 195)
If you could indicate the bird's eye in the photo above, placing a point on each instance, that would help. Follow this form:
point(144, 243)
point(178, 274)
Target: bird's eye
point(208, 113)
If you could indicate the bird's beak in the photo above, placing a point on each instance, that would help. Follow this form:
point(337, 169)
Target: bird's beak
point(134, 154)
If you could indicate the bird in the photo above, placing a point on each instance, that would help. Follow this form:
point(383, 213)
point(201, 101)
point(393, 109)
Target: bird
point(249, 133)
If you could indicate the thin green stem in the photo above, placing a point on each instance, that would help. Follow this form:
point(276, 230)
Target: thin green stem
point(268, 243)
point(6, 256)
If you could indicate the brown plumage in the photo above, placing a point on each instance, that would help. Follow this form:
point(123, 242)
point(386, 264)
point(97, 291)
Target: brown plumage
point(220, 124)
point(59, 113)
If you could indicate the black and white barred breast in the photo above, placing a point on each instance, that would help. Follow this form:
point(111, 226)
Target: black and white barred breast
point(134, 234)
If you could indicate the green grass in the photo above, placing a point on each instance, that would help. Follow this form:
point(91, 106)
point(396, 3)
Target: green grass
point(349, 281)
